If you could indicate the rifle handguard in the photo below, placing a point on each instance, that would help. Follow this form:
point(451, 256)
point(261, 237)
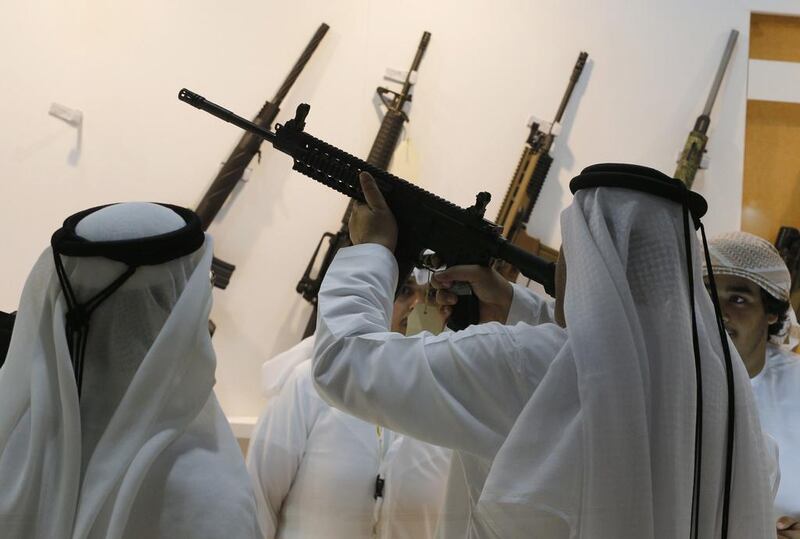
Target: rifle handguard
point(385, 143)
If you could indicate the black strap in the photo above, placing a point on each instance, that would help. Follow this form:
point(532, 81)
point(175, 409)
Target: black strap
point(643, 179)
point(698, 425)
point(146, 251)
point(78, 315)
point(726, 351)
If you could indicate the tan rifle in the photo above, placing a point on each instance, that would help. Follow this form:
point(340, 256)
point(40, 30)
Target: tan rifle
point(527, 182)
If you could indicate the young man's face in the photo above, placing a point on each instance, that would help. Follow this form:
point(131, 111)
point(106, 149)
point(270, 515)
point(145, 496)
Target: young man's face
point(746, 318)
point(408, 296)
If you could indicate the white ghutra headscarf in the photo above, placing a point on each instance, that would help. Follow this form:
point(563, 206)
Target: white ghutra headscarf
point(605, 447)
point(145, 450)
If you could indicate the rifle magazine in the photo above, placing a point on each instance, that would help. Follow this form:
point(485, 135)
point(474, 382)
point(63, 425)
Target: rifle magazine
point(222, 272)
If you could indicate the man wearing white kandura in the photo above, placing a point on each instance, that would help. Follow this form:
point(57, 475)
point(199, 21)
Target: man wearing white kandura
point(323, 473)
point(753, 284)
point(595, 428)
point(110, 428)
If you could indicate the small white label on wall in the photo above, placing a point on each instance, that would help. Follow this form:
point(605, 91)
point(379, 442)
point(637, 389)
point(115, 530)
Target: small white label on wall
point(73, 117)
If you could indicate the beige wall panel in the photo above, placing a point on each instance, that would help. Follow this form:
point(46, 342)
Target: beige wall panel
point(775, 37)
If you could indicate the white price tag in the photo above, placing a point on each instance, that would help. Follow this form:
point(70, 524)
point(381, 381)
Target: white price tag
point(534, 120)
point(245, 175)
point(398, 75)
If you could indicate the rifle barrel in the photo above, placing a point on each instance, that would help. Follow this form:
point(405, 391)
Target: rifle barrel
point(200, 102)
point(423, 44)
point(573, 81)
point(723, 65)
point(301, 63)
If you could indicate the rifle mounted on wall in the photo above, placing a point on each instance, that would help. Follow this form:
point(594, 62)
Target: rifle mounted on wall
point(248, 147)
point(379, 156)
point(528, 180)
point(692, 154)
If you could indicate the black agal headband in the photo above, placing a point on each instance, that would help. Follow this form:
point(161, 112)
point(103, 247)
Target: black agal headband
point(653, 182)
point(147, 251)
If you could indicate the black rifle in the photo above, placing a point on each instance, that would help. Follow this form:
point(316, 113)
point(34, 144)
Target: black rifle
point(695, 147)
point(241, 156)
point(425, 221)
point(6, 327)
point(788, 245)
point(379, 156)
point(528, 180)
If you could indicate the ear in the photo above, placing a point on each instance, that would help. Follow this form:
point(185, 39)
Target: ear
point(771, 318)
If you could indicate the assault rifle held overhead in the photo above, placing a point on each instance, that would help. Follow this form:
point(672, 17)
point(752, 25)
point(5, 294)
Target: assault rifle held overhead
point(248, 147)
point(425, 221)
point(528, 180)
point(379, 156)
point(695, 147)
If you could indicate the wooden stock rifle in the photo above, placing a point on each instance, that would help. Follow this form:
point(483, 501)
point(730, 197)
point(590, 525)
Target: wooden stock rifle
point(248, 147)
point(528, 179)
point(379, 156)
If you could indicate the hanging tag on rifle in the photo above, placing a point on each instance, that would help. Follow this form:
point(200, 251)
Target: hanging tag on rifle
point(534, 120)
point(245, 175)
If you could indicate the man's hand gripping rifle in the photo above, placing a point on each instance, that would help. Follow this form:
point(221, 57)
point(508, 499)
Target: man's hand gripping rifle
point(425, 221)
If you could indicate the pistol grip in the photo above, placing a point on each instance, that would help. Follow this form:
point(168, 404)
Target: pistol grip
point(465, 313)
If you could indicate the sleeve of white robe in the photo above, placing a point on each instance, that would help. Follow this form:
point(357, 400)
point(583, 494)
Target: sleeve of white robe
point(773, 466)
point(460, 390)
point(277, 447)
point(529, 307)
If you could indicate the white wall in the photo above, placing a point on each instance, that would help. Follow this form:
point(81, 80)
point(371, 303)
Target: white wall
point(488, 67)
